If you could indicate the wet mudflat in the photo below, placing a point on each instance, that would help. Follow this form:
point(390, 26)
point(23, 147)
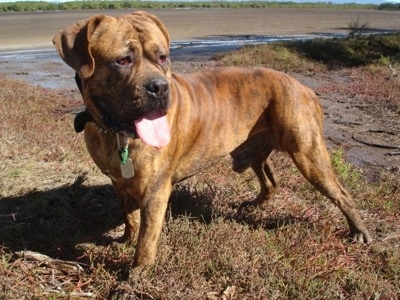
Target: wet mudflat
point(28, 30)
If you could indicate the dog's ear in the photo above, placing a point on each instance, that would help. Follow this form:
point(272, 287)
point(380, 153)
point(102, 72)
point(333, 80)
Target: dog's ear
point(81, 119)
point(73, 45)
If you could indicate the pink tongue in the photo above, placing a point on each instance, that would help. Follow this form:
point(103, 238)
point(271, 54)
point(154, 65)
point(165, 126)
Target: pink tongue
point(153, 129)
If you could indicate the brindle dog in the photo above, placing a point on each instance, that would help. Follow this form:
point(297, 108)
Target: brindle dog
point(163, 127)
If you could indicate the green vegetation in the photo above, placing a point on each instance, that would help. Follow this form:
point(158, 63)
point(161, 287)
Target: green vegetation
point(345, 170)
point(74, 5)
point(389, 6)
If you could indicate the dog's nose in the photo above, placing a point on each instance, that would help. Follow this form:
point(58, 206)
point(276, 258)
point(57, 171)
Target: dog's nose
point(157, 88)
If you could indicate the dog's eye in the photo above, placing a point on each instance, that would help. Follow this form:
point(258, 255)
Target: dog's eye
point(124, 61)
point(162, 59)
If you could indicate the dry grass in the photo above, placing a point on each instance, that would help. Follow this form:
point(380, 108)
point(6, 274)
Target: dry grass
point(276, 56)
point(32, 139)
point(55, 202)
point(379, 86)
point(319, 54)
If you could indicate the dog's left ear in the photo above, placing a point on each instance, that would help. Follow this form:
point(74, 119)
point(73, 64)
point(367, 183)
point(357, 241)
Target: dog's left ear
point(72, 44)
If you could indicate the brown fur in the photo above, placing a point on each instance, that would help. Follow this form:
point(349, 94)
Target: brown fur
point(244, 112)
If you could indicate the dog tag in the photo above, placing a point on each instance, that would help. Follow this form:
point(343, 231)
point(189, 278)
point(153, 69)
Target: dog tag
point(127, 169)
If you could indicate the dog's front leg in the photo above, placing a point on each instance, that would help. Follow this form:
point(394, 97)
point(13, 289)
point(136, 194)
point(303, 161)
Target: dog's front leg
point(131, 211)
point(152, 213)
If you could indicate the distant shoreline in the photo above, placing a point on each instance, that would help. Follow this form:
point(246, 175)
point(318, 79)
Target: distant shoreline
point(35, 30)
point(34, 6)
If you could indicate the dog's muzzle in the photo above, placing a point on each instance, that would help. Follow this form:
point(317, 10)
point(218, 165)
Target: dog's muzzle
point(147, 121)
point(156, 90)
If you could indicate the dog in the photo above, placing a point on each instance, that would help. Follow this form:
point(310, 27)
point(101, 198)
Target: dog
point(147, 128)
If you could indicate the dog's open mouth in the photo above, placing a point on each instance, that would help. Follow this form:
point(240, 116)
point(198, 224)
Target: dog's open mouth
point(152, 128)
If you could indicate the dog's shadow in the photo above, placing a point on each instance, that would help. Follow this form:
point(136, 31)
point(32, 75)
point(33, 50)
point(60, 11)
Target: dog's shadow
point(205, 205)
point(54, 221)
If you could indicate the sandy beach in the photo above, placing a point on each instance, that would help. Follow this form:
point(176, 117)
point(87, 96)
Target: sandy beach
point(36, 29)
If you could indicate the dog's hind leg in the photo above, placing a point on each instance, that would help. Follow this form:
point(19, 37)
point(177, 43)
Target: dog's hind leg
point(262, 166)
point(313, 161)
point(255, 153)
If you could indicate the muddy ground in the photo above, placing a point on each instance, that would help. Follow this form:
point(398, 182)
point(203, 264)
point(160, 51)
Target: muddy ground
point(369, 133)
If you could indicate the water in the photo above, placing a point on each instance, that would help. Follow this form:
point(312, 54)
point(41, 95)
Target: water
point(44, 67)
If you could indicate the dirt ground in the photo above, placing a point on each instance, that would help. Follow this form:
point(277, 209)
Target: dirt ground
point(369, 134)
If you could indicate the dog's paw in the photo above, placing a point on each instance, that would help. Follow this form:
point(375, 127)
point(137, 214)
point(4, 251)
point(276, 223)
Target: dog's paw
point(132, 286)
point(128, 288)
point(137, 274)
point(360, 237)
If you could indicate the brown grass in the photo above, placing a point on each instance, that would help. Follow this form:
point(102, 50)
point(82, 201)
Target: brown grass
point(375, 84)
point(275, 56)
point(55, 202)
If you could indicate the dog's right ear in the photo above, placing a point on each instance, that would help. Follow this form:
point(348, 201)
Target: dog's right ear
point(73, 45)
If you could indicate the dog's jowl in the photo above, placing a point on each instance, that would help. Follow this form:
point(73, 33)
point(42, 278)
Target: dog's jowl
point(166, 120)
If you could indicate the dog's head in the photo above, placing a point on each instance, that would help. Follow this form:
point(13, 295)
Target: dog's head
point(124, 67)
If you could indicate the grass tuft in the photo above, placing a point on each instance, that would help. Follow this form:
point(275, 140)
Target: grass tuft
point(276, 56)
point(345, 171)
